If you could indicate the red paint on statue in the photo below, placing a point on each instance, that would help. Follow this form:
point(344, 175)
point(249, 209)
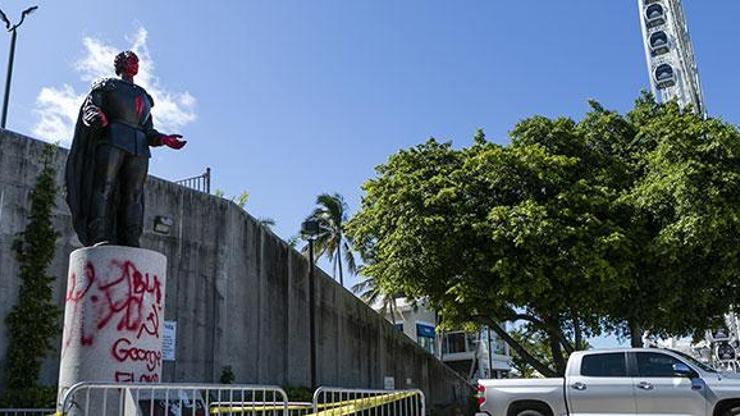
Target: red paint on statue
point(139, 102)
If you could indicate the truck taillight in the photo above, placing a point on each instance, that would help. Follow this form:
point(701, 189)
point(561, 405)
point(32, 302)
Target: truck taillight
point(481, 395)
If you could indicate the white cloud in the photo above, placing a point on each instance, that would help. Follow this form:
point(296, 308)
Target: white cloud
point(57, 107)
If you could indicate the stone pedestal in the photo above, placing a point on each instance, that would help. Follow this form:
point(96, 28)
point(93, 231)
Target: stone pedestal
point(113, 316)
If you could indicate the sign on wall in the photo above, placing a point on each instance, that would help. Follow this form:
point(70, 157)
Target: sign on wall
point(426, 331)
point(389, 383)
point(169, 337)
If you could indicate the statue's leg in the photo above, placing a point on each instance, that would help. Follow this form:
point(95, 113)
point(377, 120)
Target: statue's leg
point(108, 161)
point(131, 218)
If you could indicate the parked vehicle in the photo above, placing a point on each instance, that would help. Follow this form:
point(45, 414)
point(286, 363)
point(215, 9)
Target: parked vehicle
point(618, 382)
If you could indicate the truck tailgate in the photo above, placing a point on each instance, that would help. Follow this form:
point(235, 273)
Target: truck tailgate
point(500, 394)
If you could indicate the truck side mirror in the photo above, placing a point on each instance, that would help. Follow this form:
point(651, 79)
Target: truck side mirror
point(682, 370)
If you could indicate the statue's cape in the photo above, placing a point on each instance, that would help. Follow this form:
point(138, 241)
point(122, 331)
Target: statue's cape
point(79, 175)
point(80, 170)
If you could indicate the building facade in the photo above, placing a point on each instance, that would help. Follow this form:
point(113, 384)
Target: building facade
point(474, 355)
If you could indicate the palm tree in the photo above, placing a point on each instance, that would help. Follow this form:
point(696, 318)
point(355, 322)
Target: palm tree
point(372, 294)
point(331, 214)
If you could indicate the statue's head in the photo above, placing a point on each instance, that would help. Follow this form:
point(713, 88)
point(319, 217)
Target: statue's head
point(127, 63)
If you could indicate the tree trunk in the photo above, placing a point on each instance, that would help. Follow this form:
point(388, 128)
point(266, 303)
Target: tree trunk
point(520, 350)
point(339, 257)
point(564, 342)
point(557, 353)
point(635, 334)
point(579, 338)
point(577, 333)
point(557, 340)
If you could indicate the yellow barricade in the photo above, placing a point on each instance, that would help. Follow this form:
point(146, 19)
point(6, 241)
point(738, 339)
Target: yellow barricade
point(375, 402)
point(249, 408)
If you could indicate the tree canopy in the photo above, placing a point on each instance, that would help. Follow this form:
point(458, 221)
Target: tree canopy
point(616, 223)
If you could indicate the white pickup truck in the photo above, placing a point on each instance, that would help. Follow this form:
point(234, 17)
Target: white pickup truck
point(618, 382)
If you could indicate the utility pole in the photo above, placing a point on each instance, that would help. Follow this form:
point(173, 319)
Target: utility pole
point(13, 29)
point(310, 229)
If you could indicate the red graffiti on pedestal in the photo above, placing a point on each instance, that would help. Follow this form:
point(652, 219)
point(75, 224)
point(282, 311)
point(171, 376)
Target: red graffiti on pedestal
point(76, 292)
point(123, 300)
point(129, 377)
point(124, 377)
point(149, 378)
point(123, 351)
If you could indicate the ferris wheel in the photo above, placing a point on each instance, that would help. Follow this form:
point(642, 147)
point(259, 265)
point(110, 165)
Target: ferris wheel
point(674, 74)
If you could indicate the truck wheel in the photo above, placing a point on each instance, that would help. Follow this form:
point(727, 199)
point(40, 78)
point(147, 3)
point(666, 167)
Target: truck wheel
point(531, 412)
point(734, 411)
point(530, 409)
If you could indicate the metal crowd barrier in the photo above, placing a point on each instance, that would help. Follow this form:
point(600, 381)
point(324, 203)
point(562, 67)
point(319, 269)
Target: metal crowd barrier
point(172, 399)
point(335, 401)
point(300, 408)
point(182, 399)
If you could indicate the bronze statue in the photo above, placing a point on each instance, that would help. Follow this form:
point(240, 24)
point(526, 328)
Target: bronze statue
point(109, 159)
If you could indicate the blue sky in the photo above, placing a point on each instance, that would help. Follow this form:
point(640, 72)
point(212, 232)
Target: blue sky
point(288, 99)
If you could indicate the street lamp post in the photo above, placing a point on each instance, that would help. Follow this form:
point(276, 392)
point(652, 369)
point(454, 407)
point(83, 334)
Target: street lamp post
point(490, 353)
point(310, 230)
point(13, 29)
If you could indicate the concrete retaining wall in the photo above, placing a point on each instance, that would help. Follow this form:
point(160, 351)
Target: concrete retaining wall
point(238, 293)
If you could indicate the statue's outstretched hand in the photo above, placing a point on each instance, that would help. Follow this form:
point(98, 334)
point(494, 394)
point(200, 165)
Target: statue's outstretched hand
point(172, 141)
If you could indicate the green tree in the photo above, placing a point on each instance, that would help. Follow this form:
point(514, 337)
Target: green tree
point(537, 345)
point(571, 229)
point(441, 230)
point(535, 342)
point(685, 222)
point(227, 375)
point(240, 200)
point(34, 320)
point(331, 213)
